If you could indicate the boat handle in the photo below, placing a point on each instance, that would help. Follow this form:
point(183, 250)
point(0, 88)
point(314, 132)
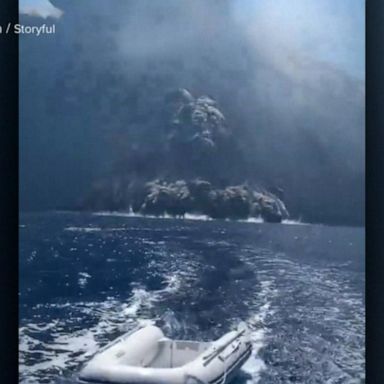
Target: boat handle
point(229, 354)
point(221, 348)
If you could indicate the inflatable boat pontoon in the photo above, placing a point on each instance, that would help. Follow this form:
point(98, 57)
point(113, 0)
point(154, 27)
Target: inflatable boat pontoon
point(146, 356)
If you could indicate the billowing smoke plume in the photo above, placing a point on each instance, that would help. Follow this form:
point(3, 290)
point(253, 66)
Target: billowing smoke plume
point(93, 95)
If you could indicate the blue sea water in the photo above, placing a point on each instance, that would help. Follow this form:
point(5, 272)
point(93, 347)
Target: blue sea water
point(87, 278)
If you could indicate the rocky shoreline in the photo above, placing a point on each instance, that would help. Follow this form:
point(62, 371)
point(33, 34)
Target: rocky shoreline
point(159, 198)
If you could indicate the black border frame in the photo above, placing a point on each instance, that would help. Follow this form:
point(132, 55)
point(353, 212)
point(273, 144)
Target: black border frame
point(375, 191)
point(9, 90)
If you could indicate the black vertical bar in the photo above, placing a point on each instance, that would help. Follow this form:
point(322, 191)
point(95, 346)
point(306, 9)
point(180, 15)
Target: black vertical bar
point(375, 192)
point(8, 192)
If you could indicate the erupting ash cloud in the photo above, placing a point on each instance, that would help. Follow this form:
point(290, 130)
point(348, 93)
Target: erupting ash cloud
point(288, 75)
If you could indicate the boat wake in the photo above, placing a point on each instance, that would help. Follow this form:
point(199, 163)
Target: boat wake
point(101, 278)
point(56, 347)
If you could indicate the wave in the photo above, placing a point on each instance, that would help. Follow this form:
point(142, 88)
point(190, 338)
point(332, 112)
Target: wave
point(130, 213)
point(287, 284)
point(83, 279)
point(257, 325)
point(93, 229)
point(294, 222)
point(51, 348)
point(190, 216)
point(83, 229)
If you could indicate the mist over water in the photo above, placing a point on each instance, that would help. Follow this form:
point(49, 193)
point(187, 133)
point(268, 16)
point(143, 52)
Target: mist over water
point(94, 92)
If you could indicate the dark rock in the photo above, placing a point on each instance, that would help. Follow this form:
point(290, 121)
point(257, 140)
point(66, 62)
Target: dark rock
point(160, 197)
point(233, 202)
point(272, 208)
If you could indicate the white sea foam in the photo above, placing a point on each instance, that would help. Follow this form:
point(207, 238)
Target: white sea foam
point(343, 315)
point(186, 216)
point(83, 279)
point(195, 216)
point(133, 214)
point(256, 323)
point(293, 222)
point(52, 348)
point(189, 216)
point(66, 349)
point(83, 229)
point(174, 283)
point(140, 298)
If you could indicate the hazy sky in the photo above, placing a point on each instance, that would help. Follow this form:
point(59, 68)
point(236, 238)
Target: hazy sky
point(327, 30)
point(288, 74)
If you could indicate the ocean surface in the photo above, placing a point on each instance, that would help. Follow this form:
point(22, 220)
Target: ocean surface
point(87, 278)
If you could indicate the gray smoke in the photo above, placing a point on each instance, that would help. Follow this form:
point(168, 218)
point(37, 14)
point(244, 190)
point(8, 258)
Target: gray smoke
point(94, 93)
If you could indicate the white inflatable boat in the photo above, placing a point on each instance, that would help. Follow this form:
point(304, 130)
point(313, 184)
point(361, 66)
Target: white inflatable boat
point(146, 356)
